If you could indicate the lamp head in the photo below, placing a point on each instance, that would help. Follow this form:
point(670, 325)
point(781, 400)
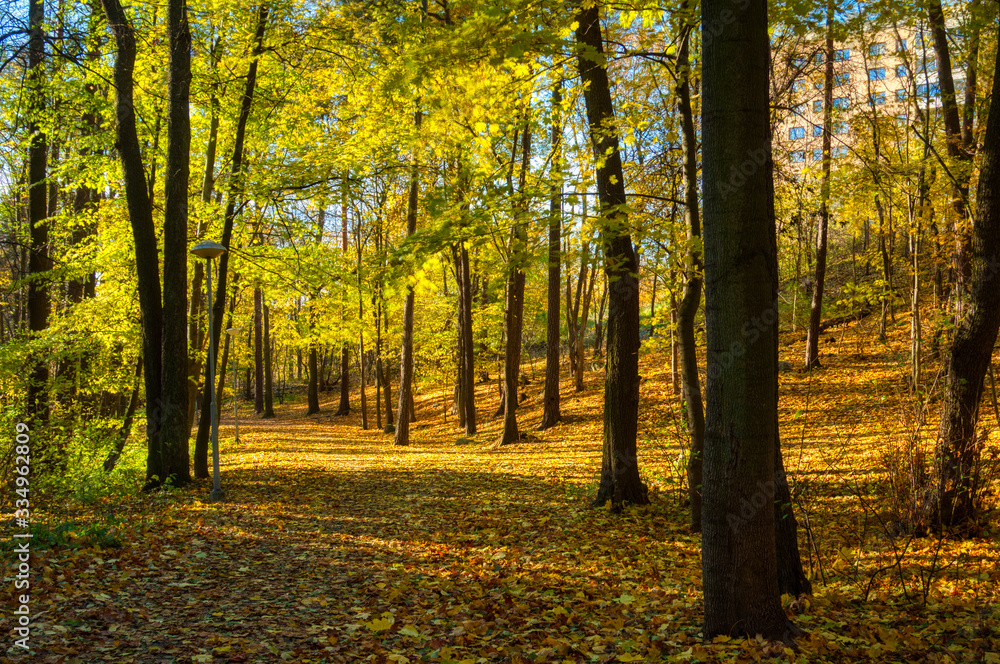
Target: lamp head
point(208, 249)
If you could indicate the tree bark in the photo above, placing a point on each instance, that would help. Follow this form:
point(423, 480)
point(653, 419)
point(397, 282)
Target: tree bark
point(550, 400)
point(258, 351)
point(739, 563)
point(620, 482)
point(959, 489)
point(38, 257)
point(691, 300)
point(268, 373)
point(144, 235)
point(819, 282)
point(402, 434)
point(345, 357)
point(236, 187)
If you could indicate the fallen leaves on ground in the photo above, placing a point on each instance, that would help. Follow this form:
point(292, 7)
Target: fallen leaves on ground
point(335, 546)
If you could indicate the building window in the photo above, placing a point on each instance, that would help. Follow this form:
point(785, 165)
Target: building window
point(817, 130)
point(842, 55)
point(927, 64)
point(924, 89)
point(796, 133)
point(959, 84)
point(841, 103)
point(840, 151)
point(901, 71)
point(876, 74)
point(818, 106)
point(876, 49)
point(799, 62)
point(901, 95)
point(878, 98)
point(901, 120)
point(798, 86)
point(817, 154)
point(799, 109)
point(840, 127)
point(901, 45)
point(840, 79)
point(819, 58)
point(798, 156)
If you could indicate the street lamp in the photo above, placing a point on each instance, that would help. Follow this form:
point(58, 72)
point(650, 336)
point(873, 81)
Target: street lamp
point(232, 332)
point(208, 250)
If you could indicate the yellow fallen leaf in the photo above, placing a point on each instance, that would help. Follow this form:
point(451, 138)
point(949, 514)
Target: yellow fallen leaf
point(380, 624)
point(630, 657)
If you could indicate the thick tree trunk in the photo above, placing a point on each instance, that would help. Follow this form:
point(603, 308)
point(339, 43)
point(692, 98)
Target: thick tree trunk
point(402, 434)
point(312, 390)
point(144, 235)
point(739, 562)
point(174, 429)
point(960, 487)
point(819, 282)
point(690, 381)
point(550, 400)
point(345, 357)
point(620, 482)
point(38, 258)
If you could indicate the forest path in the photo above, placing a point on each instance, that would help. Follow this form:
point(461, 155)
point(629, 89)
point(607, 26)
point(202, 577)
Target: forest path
point(334, 546)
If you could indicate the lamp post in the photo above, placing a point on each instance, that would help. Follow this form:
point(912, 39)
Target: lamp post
point(232, 332)
point(208, 250)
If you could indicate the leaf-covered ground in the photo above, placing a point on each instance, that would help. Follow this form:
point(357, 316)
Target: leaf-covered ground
point(335, 546)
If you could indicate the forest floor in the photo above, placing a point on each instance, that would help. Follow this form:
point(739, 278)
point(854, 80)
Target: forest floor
point(335, 546)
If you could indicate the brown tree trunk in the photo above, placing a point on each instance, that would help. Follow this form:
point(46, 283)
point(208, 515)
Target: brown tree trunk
point(235, 192)
point(402, 435)
point(960, 483)
point(258, 351)
point(144, 235)
point(38, 257)
point(691, 300)
point(345, 357)
point(819, 282)
point(550, 400)
point(268, 373)
point(620, 482)
point(739, 560)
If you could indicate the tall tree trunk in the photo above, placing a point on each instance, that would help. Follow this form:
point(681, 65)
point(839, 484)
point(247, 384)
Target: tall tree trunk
point(361, 331)
point(691, 300)
point(312, 390)
point(958, 448)
point(819, 282)
point(38, 258)
point(514, 309)
point(345, 358)
point(468, 351)
point(144, 235)
point(175, 430)
point(268, 373)
point(620, 482)
point(550, 400)
point(959, 149)
point(402, 434)
point(196, 332)
point(739, 561)
point(236, 187)
point(258, 351)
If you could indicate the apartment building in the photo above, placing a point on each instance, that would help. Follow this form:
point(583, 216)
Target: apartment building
point(885, 76)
